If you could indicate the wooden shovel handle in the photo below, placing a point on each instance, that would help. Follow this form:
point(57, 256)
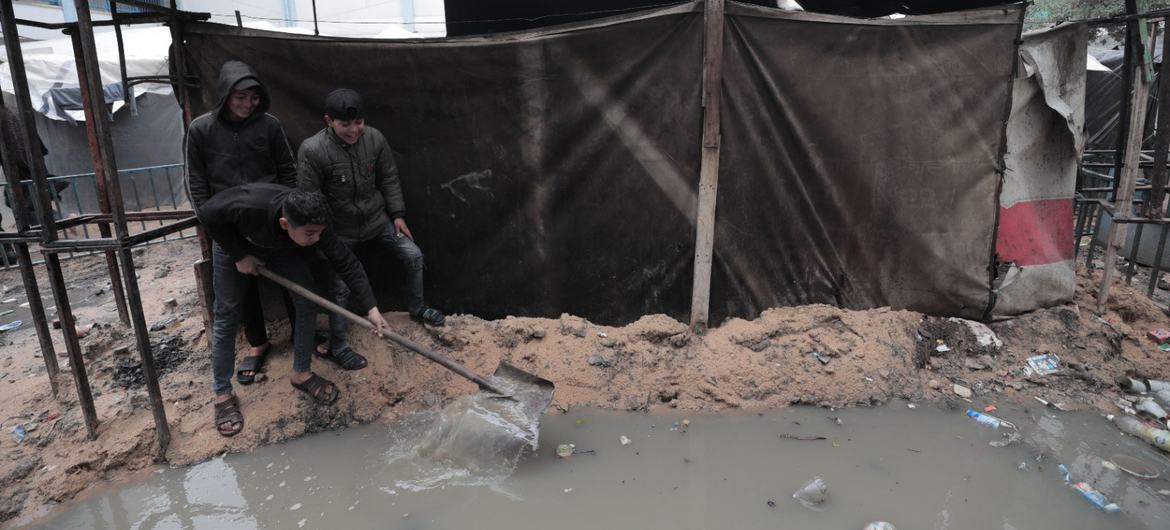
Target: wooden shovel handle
point(387, 334)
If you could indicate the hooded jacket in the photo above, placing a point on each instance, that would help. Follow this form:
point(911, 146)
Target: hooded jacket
point(221, 153)
point(360, 181)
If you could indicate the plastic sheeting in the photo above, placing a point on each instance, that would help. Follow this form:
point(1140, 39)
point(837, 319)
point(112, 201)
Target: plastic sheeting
point(1045, 137)
point(556, 170)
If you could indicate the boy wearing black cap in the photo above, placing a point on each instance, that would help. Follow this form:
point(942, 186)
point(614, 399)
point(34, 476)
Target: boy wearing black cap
point(236, 143)
point(353, 165)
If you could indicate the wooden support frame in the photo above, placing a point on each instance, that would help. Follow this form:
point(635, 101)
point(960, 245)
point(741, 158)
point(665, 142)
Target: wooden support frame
point(709, 166)
point(1128, 181)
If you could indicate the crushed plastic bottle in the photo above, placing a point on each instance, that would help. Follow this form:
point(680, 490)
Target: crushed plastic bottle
point(880, 525)
point(812, 493)
point(1088, 492)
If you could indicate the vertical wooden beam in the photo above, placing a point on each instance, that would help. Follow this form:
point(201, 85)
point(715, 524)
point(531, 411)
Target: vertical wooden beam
point(709, 165)
point(1128, 181)
point(1162, 136)
point(1132, 43)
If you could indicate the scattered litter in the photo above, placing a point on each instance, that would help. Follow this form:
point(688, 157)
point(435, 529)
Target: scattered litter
point(7, 312)
point(301, 523)
point(962, 391)
point(1150, 408)
point(880, 525)
point(1164, 492)
point(988, 420)
point(624, 440)
point(1050, 404)
point(984, 336)
point(600, 361)
point(1045, 364)
point(602, 334)
point(1109, 465)
point(812, 493)
point(567, 490)
point(837, 420)
point(8, 301)
point(990, 408)
point(911, 406)
point(1133, 466)
point(685, 423)
point(824, 359)
point(1088, 492)
point(942, 348)
point(1159, 335)
point(801, 437)
point(1159, 438)
point(18, 430)
point(1023, 466)
point(565, 450)
point(1006, 439)
point(771, 504)
point(24, 305)
point(1165, 346)
point(294, 507)
point(11, 325)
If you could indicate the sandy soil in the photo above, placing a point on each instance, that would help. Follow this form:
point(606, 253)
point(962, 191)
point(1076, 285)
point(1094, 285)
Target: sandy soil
point(861, 358)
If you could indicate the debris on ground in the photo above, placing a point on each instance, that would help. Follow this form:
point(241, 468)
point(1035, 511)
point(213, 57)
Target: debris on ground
point(812, 493)
point(1088, 492)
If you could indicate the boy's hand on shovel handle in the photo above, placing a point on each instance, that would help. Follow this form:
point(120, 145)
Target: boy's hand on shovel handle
point(379, 323)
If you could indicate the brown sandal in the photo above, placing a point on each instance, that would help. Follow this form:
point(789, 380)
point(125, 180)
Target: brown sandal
point(322, 390)
point(227, 413)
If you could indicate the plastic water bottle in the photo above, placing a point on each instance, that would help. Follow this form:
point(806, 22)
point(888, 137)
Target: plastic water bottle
point(990, 421)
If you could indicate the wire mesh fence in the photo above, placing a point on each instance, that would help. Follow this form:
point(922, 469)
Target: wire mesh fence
point(147, 189)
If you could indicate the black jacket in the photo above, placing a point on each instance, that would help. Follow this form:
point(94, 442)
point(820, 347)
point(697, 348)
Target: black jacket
point(247, 220)
point(221, 154)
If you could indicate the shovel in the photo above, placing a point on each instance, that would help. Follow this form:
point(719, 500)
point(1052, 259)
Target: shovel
point(535, 392)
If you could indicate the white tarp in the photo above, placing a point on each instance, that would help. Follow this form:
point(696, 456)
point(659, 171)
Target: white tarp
point(50, 64)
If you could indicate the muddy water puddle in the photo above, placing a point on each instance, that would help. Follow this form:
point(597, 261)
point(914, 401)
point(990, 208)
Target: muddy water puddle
point(915, 468)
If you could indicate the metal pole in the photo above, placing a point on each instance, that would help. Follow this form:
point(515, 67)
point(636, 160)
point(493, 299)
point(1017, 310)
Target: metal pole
point(317, 31)
point(1096, 222)
point(1156, 269)
point(1079, 231)
point(121, 52)
point(1133, 252)
point(48, 226)
point(1162, 137)
point(239, 20)
point(118, 211)
point(24, 259)
point(91, 106)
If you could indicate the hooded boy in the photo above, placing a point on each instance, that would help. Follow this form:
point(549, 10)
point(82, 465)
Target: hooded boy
point(237, 143)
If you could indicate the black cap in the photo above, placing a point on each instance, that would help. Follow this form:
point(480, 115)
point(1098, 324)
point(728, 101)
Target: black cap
point(246, 83)
point(344, 104)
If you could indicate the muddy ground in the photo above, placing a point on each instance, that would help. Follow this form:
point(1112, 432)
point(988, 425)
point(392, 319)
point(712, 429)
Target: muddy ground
point(815, 355)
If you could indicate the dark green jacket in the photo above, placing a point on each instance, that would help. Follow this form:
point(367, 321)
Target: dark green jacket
point(360, 180)
point(222, 154)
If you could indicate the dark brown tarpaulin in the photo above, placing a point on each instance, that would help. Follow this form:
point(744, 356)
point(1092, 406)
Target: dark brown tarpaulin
point(859, 160)
point(556, 171)
point(544, 173)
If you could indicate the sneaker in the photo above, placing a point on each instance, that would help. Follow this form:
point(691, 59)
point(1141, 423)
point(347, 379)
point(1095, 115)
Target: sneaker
point(429, 316)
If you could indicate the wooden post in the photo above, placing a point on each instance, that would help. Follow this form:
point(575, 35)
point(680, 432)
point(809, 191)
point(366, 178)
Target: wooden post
point(1127, 86)
point(709, 165)
point(1128, 178)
